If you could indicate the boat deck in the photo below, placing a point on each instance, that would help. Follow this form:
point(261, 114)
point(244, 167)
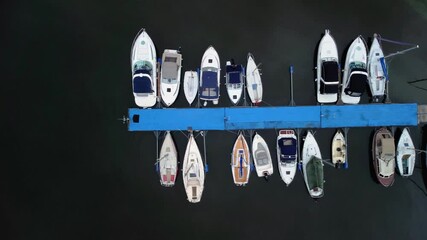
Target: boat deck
point(241, 118)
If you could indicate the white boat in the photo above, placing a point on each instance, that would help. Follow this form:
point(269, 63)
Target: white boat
point(144, 73)
point(168, 162)
point(193, 171)
point(355, 75)
point(253, 80)
point(262, 157)
point(312, 166)
point(405, 154)
point(327, 70)
point(339, 149)
point(209, 76)
point(191, 85)
point(240, 161)
point(376, 76)
point(234, 78)
point(170, 76)
point(287, 154)
point(383, 156)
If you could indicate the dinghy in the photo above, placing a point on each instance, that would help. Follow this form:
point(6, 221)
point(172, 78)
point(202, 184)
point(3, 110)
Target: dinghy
point(327, 70)
point(168, 162)
point(170, 76)
point(287, 155)
point(234, 81)
point(405, 154)
point(193, 171)
point(312, 166)
point(253, 80)
point(262, 157)
point(144, 72)
point(339, 149)
point(376, 76)
point(355, 75)
point(209, 76)
point(383, 154)
point(191, 85)
point(240, 161)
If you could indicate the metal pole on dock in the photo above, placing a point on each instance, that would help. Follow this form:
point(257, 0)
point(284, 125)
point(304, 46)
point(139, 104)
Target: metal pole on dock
point(346, 147)
point(291, 70)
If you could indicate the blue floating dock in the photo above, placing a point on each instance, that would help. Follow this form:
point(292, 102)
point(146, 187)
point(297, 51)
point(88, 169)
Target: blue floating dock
point(241, 118)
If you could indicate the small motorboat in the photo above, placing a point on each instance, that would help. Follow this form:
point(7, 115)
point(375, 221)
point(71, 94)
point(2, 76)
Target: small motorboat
point(262, 157)
point(193, 171)
point(383, 155)
point(355, 75)
point(168, 162)
point(253, 80)
point(240, 161)
point(339, 149)
point(287, 153)
point(327, 70)
point(234, 78)
point(376, 76)
point(209, 76)
point(191, 85)
point(144, 73)
point(170, 76)
point(405, 154)
point(312, 166)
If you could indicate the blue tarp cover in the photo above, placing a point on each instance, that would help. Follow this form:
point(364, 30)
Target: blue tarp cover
point(142, 85)
point(209, 79)
point(288, 148)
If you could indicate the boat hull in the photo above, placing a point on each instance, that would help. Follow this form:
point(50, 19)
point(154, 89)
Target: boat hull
point(262, 157)
point(339, 149)
point(406, 154)
point(191, 85)
point(327, 52)
point(253, 81)
point(240, 161)
point(193, 172)
point(168, 163)
point(169, 89)
point(376, 75)
point(384, 172)
point(356, 54)
point(143, 49)
point(311, 149)
point(287, 170)
point(210, 63)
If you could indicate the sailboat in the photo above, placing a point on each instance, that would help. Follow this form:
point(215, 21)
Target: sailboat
point(240, 161)
point(383, 154)
point(376, 75)
point(339, 149)
point(312, 166)
point(327, 70)
point(193, 171)
point(170, 76)
point(234, 78)
point(253, 80)
point(287, 155)
point(144, 72)
point(209, 76)
point(405, 154)
point(191, 85)
point(168, 162)
point(355, 75)
point(262, 157)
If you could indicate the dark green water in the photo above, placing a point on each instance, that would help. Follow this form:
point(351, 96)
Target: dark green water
point(70, 170)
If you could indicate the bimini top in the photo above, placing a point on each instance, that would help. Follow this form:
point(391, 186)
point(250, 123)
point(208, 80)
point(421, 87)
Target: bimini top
point(315, 173)
point(288, 149)
point(330, 77)
point(358, 79)
point(234, 73)
point(209, 84)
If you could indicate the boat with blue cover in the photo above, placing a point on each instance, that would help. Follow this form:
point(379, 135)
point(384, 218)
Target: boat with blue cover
point(287, 155)
point(144, 72)
point(210, 76)
point(234, 80)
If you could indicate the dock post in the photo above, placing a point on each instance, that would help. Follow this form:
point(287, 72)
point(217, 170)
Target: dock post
point(291, 71)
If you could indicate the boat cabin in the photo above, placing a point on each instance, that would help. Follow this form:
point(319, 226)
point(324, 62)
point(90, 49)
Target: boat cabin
point(329, 81)
point(288, 150)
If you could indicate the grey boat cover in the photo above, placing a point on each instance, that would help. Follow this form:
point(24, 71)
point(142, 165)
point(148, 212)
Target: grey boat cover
point(314, 170)
point(261, 155)
point(170, 66)
point(387, 152)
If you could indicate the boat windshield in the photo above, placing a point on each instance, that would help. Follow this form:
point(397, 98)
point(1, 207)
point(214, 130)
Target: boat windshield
point(144, 67)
